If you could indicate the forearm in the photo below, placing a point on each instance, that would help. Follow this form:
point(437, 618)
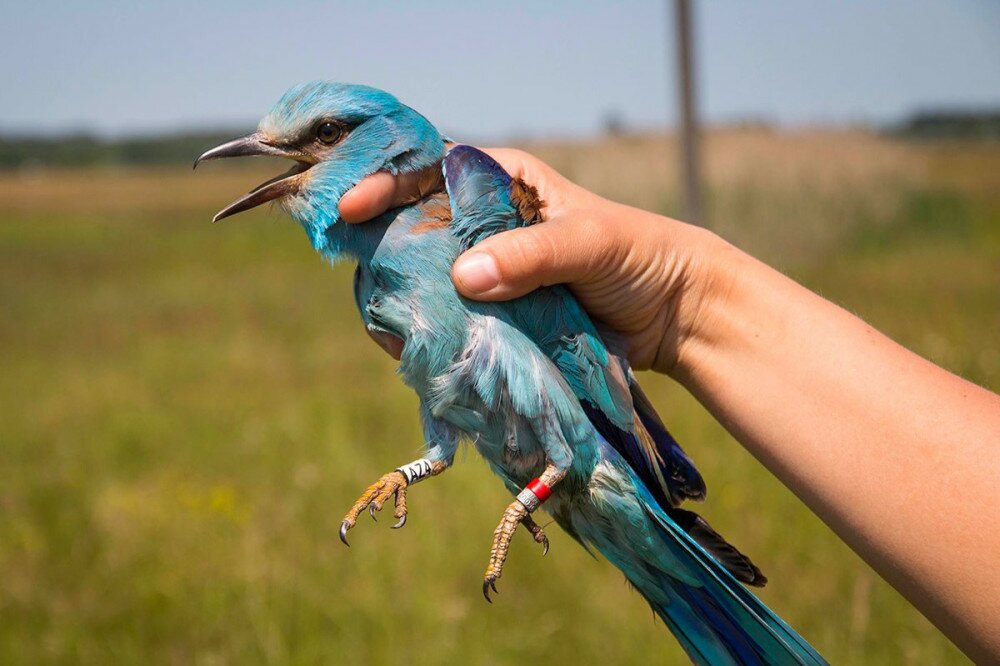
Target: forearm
point(887, 448)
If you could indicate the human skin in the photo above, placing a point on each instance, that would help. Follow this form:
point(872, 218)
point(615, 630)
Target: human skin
point(898, 456)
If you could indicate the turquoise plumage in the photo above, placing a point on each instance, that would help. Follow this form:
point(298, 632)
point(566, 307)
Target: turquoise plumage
point(532, 383)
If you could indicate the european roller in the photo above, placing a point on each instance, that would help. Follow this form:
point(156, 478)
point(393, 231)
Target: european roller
point(542, 394)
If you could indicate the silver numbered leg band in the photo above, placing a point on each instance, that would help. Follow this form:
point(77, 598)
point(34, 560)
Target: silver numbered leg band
point(417, 470)
point(529, 499)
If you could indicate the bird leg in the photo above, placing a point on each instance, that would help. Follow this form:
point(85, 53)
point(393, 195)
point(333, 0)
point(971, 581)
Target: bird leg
point(519, 512)
point(393, 484)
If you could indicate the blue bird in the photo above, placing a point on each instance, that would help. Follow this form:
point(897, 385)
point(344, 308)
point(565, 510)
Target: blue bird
point(545, 398)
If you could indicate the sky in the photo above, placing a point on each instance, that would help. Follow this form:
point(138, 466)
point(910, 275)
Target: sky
point(491, 70)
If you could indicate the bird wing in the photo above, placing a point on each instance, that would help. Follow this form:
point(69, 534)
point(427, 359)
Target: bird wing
point(485, 201)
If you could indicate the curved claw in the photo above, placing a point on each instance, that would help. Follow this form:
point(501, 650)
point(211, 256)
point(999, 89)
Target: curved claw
point(486, 590)
point(545, 547)
point(402, 521)
point(344, 526)
point(371, 512)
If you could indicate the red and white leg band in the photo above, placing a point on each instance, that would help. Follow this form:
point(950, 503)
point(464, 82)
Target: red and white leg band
point(418, 470)
point(534, 494)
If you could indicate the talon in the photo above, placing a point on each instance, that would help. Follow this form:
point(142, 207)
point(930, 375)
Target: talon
point(374, 498)
point(517, 513)
point(537, 533)
point(514, 515)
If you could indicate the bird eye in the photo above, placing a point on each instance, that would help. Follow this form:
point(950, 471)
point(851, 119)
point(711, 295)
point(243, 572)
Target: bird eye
point(328, 132)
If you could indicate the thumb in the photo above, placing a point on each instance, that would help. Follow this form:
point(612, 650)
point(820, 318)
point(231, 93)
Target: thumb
point(516, 262)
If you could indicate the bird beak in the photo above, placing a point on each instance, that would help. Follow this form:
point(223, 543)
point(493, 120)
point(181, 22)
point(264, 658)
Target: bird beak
point(279, 186)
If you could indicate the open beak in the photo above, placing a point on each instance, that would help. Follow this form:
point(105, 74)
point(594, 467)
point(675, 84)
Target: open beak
point(279, 186)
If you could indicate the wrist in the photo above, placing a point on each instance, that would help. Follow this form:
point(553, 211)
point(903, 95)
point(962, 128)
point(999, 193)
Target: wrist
point(705, 317)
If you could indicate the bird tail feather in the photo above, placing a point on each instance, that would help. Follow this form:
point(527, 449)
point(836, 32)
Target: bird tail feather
point(717, 620)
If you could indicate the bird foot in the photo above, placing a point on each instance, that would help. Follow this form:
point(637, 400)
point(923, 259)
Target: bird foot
point(374, 497)
point(513, 515)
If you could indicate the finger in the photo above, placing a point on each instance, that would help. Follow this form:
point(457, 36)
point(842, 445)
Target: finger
point(382, 191)
point(516, 262)
point(369, 198)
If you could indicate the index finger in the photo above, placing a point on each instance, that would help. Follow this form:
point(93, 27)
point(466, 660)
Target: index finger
point(382, 191)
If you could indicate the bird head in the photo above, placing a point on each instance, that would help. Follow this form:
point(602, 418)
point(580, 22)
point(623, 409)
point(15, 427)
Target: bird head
point(336, 134)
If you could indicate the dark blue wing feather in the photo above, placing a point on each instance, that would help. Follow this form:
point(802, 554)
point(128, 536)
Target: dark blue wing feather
point(479, 190)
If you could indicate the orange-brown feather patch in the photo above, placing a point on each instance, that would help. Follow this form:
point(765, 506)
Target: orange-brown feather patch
point(529, 204)
point(436, 215)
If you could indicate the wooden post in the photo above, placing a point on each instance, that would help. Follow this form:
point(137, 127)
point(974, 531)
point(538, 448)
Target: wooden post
point(688, 130)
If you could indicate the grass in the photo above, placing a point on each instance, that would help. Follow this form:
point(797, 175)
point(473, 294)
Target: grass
point(186, 411)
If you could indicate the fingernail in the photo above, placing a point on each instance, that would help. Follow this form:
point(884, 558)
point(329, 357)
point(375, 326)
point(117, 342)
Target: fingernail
point(478, 272)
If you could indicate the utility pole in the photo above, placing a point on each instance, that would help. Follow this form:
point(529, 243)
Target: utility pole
point(688, 130)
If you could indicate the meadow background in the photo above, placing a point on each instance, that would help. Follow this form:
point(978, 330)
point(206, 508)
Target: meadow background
point(187, 410)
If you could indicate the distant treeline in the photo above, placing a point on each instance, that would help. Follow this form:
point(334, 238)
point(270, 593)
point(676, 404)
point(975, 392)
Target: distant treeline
point(84, 150)
point(950, 125)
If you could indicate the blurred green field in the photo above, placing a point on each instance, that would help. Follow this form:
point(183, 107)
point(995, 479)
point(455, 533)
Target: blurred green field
point(188, 409)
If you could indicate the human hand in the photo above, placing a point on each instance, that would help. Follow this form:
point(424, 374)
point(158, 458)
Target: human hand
point(646, 276)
